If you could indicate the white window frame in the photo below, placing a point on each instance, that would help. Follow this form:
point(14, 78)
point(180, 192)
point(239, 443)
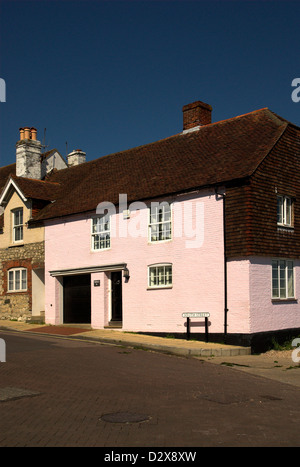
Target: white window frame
point(16, 279)
point(101, 229)
point(165, 277)
point(163, 223)
point(283, 279)
point(284, 211)
point(17, 227)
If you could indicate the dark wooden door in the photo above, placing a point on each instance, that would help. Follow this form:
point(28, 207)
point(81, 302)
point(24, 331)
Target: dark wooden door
point(77, 299)
point(116, 296)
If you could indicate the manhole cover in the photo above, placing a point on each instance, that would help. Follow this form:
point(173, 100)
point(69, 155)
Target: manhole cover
point(9, 393)
point(124, 417)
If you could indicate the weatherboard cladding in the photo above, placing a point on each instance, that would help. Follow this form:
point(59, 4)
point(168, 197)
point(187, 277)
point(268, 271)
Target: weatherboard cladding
point(278, 174)
point(251, 215)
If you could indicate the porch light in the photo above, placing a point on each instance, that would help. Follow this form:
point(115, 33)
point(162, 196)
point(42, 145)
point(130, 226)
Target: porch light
point(126, 273)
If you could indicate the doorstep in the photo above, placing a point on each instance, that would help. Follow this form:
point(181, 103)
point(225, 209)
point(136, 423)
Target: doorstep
point(114, 325)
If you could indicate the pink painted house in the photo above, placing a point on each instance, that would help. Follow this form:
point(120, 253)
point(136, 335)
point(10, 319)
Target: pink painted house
point(205, 221)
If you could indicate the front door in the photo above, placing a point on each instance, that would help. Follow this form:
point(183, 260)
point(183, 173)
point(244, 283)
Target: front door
point(116, 296)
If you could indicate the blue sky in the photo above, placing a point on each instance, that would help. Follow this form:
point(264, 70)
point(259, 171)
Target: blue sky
point(105, 76)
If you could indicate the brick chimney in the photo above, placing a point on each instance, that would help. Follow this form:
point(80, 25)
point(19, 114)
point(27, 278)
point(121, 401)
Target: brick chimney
point(196, 115)
point(28, 154)
point(76, 157)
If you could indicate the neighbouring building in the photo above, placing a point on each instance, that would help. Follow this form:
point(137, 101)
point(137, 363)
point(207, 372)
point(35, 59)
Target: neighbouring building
point(25, 188)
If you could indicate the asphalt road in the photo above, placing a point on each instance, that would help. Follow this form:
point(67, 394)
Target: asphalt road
point(65, 393)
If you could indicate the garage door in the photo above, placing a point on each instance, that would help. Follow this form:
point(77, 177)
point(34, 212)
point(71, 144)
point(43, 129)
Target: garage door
point(77, 299)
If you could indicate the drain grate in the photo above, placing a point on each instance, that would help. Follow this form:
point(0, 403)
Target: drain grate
point(10, 393)
point(232, 398)
point(124, 417)
point(271, 398)
point(227, 399)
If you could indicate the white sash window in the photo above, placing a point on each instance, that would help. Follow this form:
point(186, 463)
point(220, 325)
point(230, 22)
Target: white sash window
point(283, 279)
point(17, 280)
point(284, 211)
point(160, 275)
point(160, 222)
point(17, 225)
point(101, 232)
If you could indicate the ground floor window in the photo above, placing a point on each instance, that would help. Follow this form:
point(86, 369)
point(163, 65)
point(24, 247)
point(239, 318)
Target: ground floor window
point(17, 280)
point(283, 279)
point(160, 275)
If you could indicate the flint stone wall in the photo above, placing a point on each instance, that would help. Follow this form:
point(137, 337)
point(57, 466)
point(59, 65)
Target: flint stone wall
point(18, 305)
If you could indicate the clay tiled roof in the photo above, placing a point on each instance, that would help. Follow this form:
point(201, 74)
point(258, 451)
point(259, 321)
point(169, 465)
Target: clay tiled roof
point(31, 188)
point(5, 172)
point(37, 189)
point(213, 155)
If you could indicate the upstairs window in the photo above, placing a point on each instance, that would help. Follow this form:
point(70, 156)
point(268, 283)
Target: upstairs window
point(101, 232)
point(17, 280)
point(284, 211)
point(160, 223)
point(17, 215)
point(283, 279)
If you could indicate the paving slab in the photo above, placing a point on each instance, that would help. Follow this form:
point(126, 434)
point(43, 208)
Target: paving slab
point(274, 364)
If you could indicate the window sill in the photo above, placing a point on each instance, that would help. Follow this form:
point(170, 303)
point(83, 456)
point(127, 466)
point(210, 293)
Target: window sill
point(155, 242)
point(285, 228)
point(284, 300)
point(16, 245)
point(160, 288)
point(17, 291)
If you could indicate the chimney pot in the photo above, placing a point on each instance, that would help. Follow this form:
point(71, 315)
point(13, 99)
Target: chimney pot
point(195, 115)
point(33, 132)
point(21, 130)
point(26, 132)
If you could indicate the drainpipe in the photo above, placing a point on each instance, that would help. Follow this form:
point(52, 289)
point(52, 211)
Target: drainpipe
point(223, 196)
point(225, 268)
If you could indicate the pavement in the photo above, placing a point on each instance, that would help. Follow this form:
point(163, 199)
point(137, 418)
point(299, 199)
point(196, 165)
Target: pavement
point(180, 347)
point(276, 365)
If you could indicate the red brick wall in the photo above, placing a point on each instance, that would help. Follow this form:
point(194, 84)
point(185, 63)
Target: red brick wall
point(195, 114)
point(18, 263)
